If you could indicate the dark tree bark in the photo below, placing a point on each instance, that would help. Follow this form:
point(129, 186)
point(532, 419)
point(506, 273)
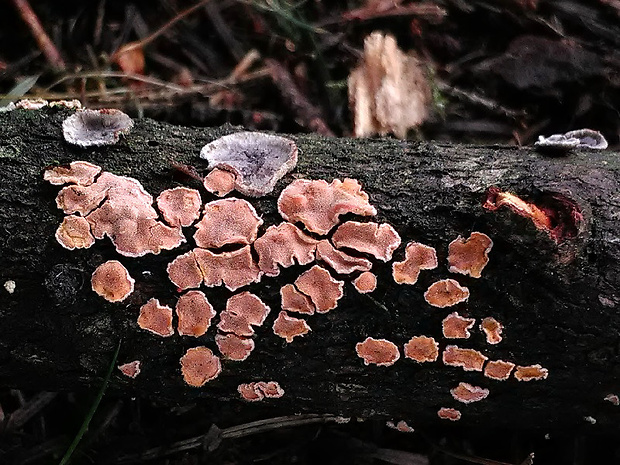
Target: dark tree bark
point(556, 296)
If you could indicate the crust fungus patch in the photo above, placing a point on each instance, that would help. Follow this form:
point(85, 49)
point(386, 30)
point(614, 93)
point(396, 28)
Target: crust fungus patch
point(81, 173)
point(258, 160)
point(156, 318)
point(233, 347)
point(469, 256)
point(467, 393)
point(498, 370)
point(260, 390)
point(446, 293)
point(339, 261)
point(199, 365)
point(184, 271)
point(580, 138)
point(233, 269)
point(417, 257)
point(613, 399)
point(74, 233)
point(112, 281)
point(379, 352)
point(401, 426)
point(378, 240)
point(365, 283)
point(179, 206)
point(288, 327)
point(87, 128)
point(497, 199)
point(243, 311)
point(283, 245)
point(219, 182)
point(195, 314)
point(318, 205)
point(449, 414)
point(531, 373)
point(323, 290)
point(295, 301)
point(468, 359)
point(227, 221)
point(131, 369)
point(454, 326)
point(492, 330)
point(422, 349)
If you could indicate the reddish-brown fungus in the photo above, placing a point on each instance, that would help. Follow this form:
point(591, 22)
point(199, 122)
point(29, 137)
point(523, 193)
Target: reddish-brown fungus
point(243, 311)
point(249, 392)
point(455, 326)
point(199, 365)
point(195, 314)
point(365, 283)
point(233, 347)
point(179, 206)
point(449, 414)
point(74, 233)
point(378, 240)
point(131, 369)
point(445, 293)
point(531, 373)
point(339, 261)
point(233, 269)
point(467, 393)
point(288, 327)
point(498, 370)
point(417, 257)
point(227, 221)
point(379, 352)
point(469, 256)
point(81, 173)
point(156, 318)
point(184, 271)
point(318, 205)
point(468, 359)
point(258, 391)
point(422, 349)
point(323, 290)
point(613, 398)
point(492, 329)
point(497, 199)
point(401, 426)
point(112, 281)
point(295, 301)
point(219, 182)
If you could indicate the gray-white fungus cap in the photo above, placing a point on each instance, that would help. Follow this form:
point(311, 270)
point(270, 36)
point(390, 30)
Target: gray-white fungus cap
point(88, 128)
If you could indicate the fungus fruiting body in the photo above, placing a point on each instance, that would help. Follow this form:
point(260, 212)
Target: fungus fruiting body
point(446, 293)
point(87, 128)
point(243, 311)
point(260, 390)
point(288, 327)
point(179, 206)
point(449, 414)
point(233, 347)
point(184, 271)
point(498, 369)
point(492, 330)
point(469, 256)
point(612, 398)
point(401, 426)
point(131, 369)
point(497, 199)
point(74, 233)
point(323, 290)
point(378, 240)
point(156, 318)
point(81, 173)
point(10, 286)
point(422, 349)
point(199, 365)
point(454, 326)
point(380, 352)
point(233, 269)
point(531, 373)
point(195, 314)
point(579, 138)
point(467, 393)
point(295, 301)
point(219, 182)
point(417, 257)
point(365, 283)
point(468, 359)
point(112, 281)
point(258, 160)
point(227, 221)
point(339, 261)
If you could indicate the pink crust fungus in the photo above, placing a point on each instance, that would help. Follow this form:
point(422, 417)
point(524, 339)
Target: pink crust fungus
point(378, 240)
point(111, 281)
point(295, 301)
point(455, 326)
point(422, 349)
point(131, 369)
point(233, 269)
point(497, 199)
point(492, 329)
point(87, 128)
point(227, 221)
point(74, 233)
point(199, 365)
point(195, 314)
point(339, 261)
point(365, 283)
point(401, 426)
point(283, 245)
point(449, 414)
point(288, 327)
point(257, 160)
point(156, 318)
point(417, 257)
point(323, 290)
point(468, 359)
point(498, 370)
point(179, 206)
point(380, 352)
point(233, 347)
point(184, 272)
point(81, 173)
point(613, 398)
point(531, 373)
point(219, 182)
point(469, 256)
point(318, 205)
point(253, 392)
point(467, 393)
point(445, 293)
point(243, 311)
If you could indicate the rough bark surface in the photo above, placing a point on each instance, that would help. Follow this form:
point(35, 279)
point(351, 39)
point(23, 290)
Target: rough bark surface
point(558, 300)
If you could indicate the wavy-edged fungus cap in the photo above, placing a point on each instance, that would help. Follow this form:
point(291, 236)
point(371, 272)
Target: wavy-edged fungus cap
point(469, 256)
point(87, 128)
point(531, 373)
point(219, 182)
point(422, 349)
point(179, 206)
point(253, 392)
point(199, 365)
point(378, 240)
point(74, 233)
point(243, 311)
point(32, 104)
point(258, 160)
point(323, 290)
point(195, 314)
point(184, 272)
point(613, 398)
point(454, 326)
point(417, 257)
point(445, 293)
point(401, 426)
point(288, 327)
point(365, 283)
point(283, 245)
point(492, 329)
point(131, 369)
point(451, 414)
point(156, 318)
point(295, 301)
point(318, 205)
point(498, 369)
point(233, 347)
point(271, 389)
point(111, 281)
point(468, 359)
point(227, 221)
point(556, 143)
point(588, 139)
point(380, 352)
point(249, 392)
point(339, 261)
point(233, 269)
point(467, 393)
point(81, 173)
